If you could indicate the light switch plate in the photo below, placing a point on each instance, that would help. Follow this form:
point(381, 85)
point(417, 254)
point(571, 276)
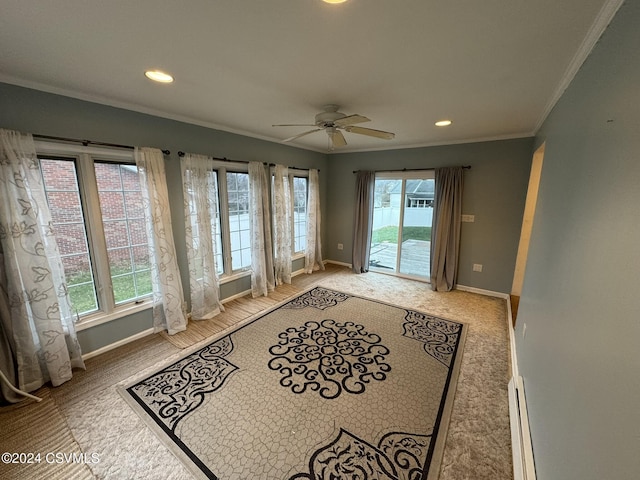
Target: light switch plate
point(468, 218)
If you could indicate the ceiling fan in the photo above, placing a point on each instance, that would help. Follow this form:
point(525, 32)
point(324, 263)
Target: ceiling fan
point(332, 121)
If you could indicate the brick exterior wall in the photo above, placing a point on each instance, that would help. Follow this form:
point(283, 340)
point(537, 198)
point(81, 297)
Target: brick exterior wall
point(120, 199)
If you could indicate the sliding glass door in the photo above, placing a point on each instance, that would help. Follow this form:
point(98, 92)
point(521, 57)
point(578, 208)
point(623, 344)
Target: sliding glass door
point(402, 217)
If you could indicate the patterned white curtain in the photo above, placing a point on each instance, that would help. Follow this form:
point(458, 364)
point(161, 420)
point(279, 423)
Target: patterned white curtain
point(200, 209)
point(169, 309)
point(282, 225)
point(313, 251)
point(262, 277)
point(36, 316)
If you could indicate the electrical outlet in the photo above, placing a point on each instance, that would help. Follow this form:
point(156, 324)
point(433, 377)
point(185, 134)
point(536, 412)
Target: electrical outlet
point(340, 246)
point(477, 267)
point(468, 218)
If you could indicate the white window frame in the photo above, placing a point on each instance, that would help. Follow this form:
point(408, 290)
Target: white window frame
point(222, 168)
point(302, 174)
point(293, 172)
point(84, 157)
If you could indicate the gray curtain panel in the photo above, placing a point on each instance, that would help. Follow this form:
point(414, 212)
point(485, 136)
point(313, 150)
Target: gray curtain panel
point(445, 237)
point(363, 218)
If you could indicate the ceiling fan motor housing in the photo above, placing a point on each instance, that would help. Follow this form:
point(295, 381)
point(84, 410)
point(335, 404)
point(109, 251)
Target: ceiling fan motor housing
point(326, 119)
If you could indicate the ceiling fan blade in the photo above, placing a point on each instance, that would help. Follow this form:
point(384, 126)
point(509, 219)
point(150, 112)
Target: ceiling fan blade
point(295, 125)
point(301, 135)
point(350, 120)
point(370, 132)
point(337, 139)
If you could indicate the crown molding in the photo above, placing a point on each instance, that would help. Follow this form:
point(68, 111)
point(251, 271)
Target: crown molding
point(600, 24)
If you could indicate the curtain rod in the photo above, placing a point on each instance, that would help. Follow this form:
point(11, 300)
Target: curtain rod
point(222, 159)
point(466, 167)
point(90, 142)
point(293, 168)
point(225, 159)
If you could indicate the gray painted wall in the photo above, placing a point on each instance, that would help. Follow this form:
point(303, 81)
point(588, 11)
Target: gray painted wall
point(494, 191)
point(47, 114)
point(580, 356)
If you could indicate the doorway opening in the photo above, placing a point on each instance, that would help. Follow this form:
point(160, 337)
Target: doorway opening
point(402, 223)
point(525, 233)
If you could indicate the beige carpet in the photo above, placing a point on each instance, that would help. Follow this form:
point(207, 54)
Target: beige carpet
point(478, 443)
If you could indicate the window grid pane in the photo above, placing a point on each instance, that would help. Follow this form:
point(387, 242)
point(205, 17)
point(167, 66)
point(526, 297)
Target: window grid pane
point(63, 196)
point(299, 213)
point(125, 230)
point(238, 195)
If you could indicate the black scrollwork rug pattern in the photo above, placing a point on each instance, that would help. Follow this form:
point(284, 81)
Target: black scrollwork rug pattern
point(177, 390)
point(320, 298)
point(329, 357)
point(439, 336)
point(398, 456)
point(326, 386)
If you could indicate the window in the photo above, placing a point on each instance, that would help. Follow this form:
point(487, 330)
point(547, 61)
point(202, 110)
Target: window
point(401, 228)
point(239, 229)
point(298, 193)
point(230, 208)
point(124, 230)
point(96, 207)
point(232, 214)
point(63, 196)
point(419, 202)
point(299, 214)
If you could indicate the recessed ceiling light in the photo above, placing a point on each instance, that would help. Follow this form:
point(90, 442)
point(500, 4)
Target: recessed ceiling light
point(334, 1)
point(158, 76)
point(443, 123)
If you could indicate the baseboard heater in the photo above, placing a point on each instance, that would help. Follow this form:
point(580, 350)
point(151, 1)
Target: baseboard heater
point(523, 464)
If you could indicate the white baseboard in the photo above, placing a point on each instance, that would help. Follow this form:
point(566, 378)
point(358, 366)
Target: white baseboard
point(521, 447)
point(117, 344)
point(512, 340)
point(237, 295)
point(335, 262)
point(516, 435)
point(248, 292)
point(528, 464)
point(481, 291)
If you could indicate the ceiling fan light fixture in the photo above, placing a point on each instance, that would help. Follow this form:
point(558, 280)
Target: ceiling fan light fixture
point(158, 76)
point(443, 123)
point(334, 1)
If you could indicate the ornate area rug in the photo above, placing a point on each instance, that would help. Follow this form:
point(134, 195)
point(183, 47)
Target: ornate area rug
point(325, 386)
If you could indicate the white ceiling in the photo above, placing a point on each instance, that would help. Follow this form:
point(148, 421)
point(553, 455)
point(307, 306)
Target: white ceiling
point(494, 67)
